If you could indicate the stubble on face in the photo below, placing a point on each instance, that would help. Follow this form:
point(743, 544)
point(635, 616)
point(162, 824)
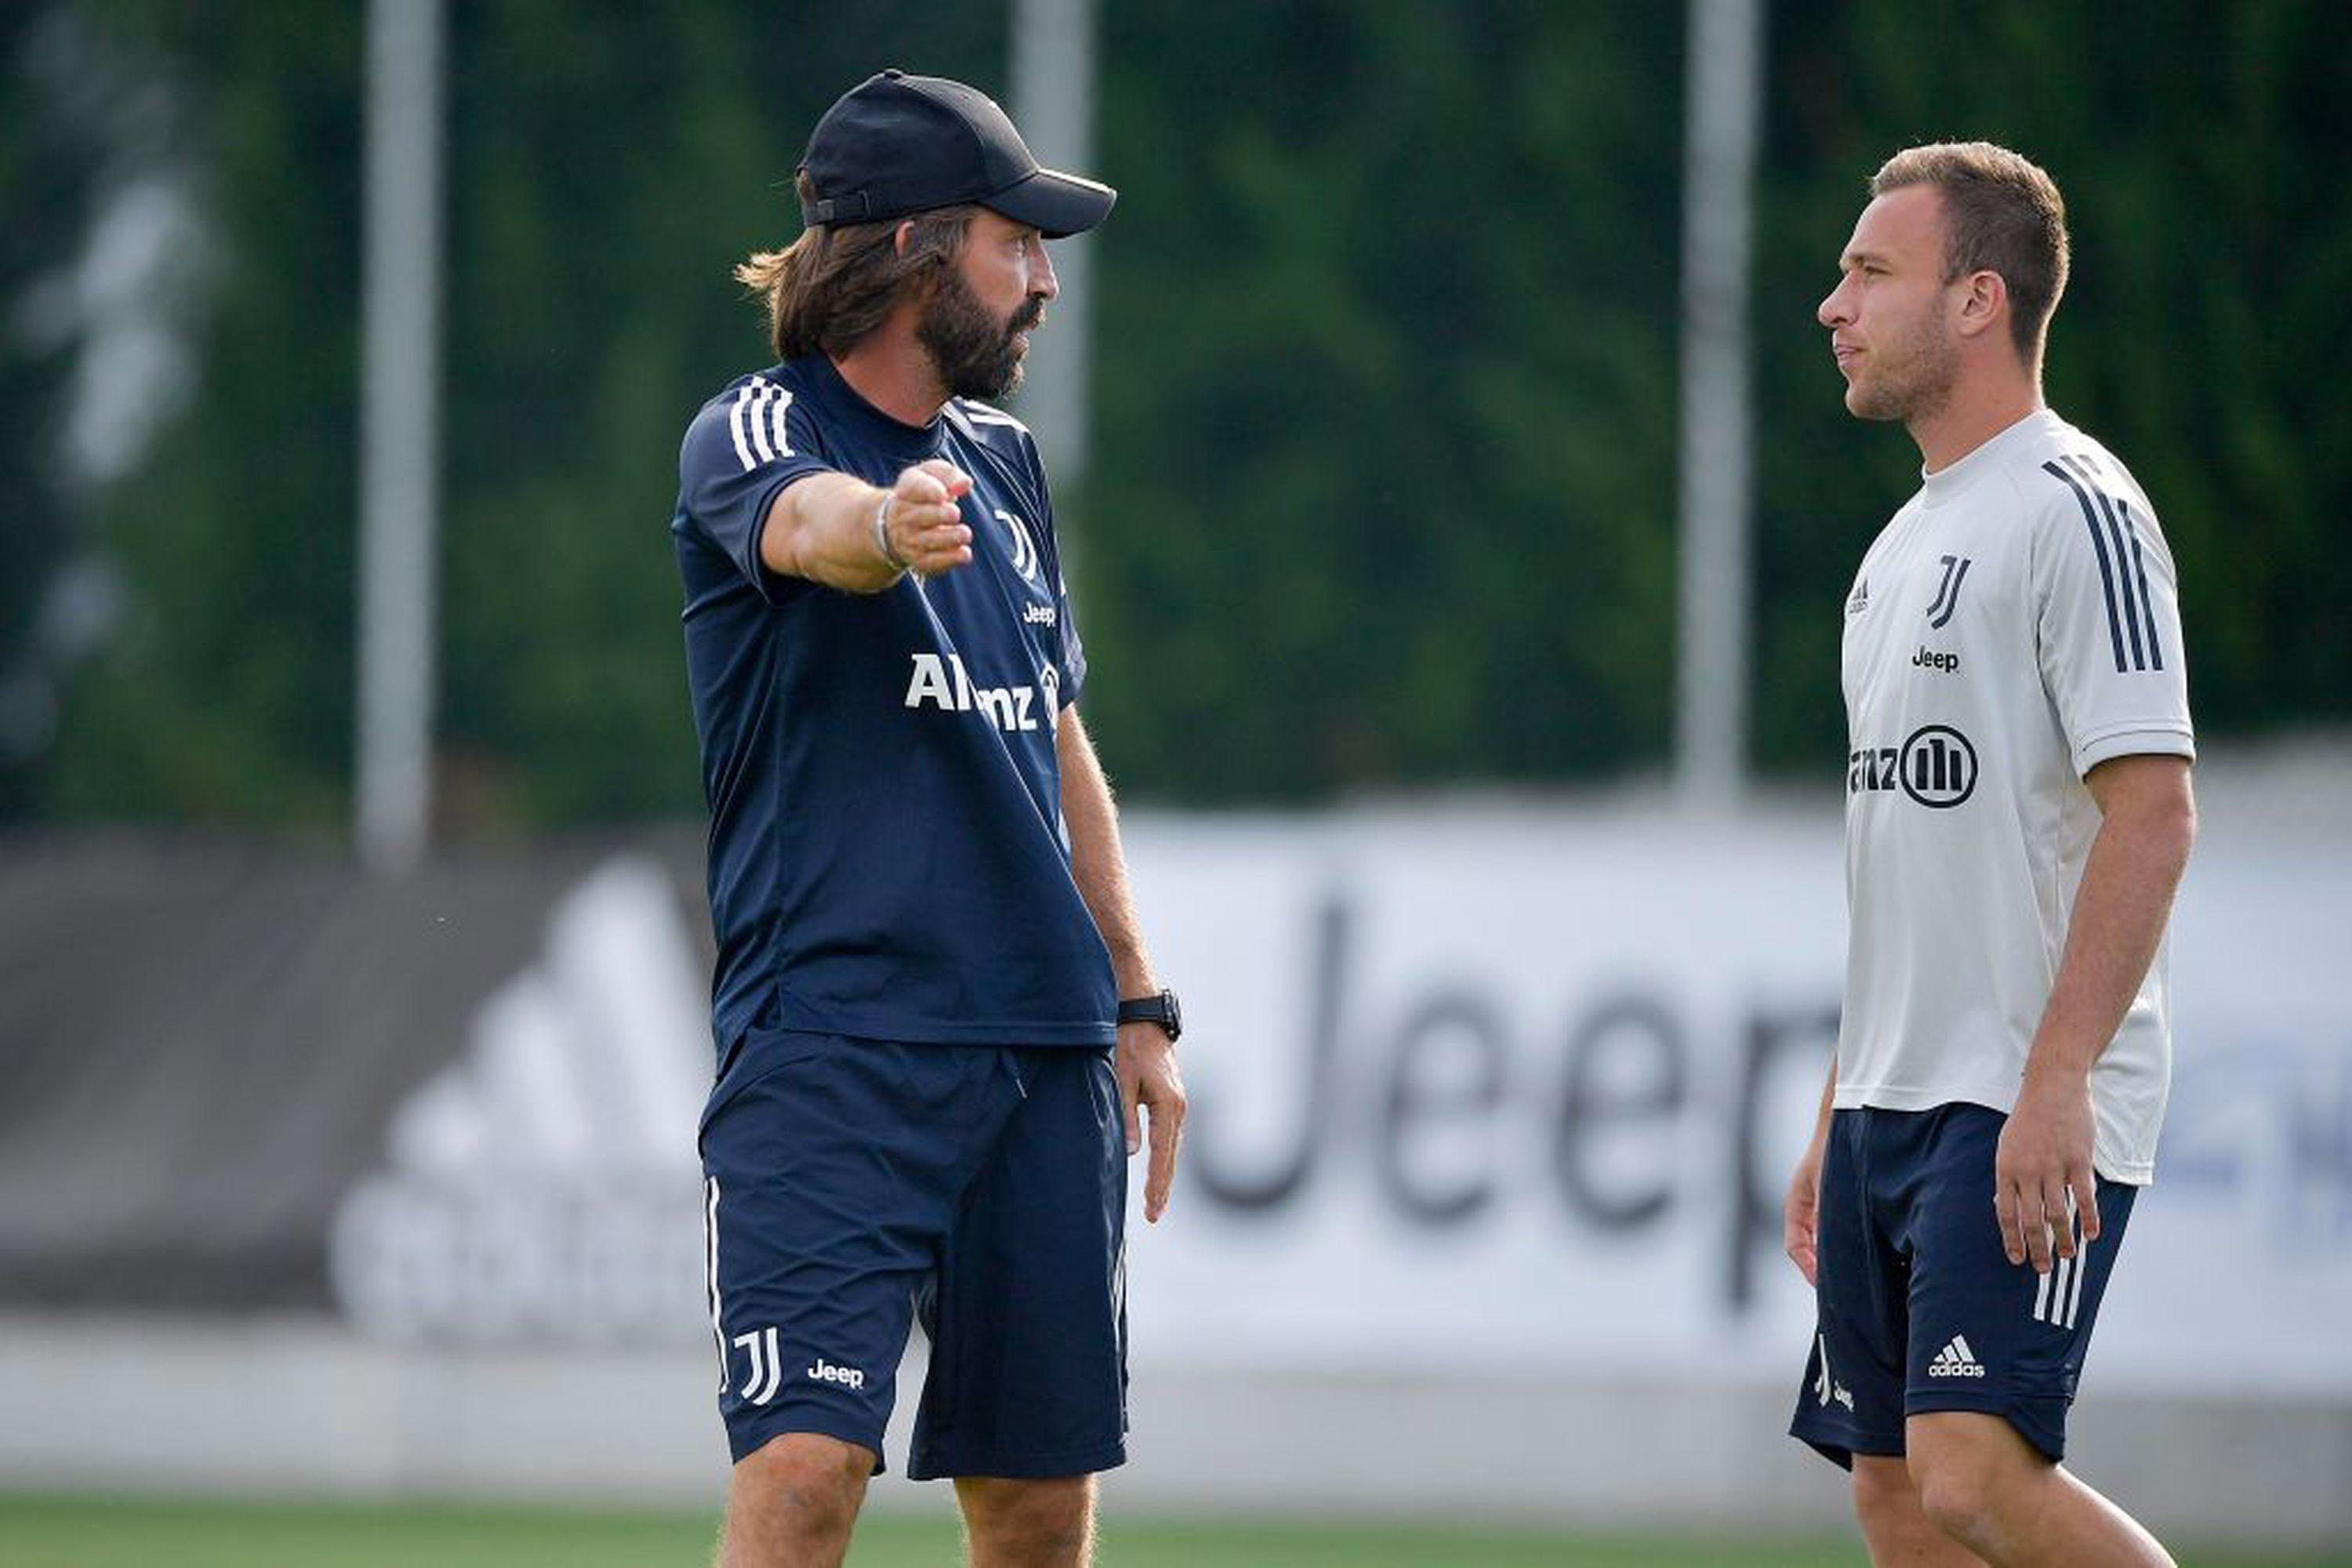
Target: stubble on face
point(1910, 372)
point(977, 354)
point(1910, 363)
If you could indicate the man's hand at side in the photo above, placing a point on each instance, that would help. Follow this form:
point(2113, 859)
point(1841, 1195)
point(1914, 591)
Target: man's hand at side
point(1150, 1088)
point(2148, 822)
point(1800, 1211)
point(1800, 1216)
point(2042, 1170)
point(1149, 1084)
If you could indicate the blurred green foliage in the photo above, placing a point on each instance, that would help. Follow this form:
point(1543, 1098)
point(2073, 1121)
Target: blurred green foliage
point(39, 175)
point(2202, 150)
point(1382, 493)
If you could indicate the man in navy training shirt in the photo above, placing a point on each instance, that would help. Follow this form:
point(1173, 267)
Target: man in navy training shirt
point(938, 1031)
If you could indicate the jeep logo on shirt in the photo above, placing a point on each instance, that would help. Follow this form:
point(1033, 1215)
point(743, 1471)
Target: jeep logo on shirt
point(1936, 766)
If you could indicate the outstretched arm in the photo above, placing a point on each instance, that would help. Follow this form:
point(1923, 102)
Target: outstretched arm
point(845, 533)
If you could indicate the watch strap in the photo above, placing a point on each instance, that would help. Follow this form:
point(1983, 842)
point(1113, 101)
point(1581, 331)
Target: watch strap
point(1156, 1009)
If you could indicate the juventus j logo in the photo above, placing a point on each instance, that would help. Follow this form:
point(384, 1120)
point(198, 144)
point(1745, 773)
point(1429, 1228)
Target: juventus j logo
point(1948, 595)
point(767, 1364)
point(1025, 549)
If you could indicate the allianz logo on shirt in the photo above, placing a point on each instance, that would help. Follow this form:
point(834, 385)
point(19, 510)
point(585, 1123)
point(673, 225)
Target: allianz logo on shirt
point(1936, 766)
point(940, 681)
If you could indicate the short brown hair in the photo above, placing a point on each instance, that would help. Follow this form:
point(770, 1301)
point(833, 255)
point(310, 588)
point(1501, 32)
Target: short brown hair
point(2001, 213)
point(828, 289)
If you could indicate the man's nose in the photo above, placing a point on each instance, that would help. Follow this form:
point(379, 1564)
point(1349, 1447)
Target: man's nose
point(1832, 310)
point(1042, 279)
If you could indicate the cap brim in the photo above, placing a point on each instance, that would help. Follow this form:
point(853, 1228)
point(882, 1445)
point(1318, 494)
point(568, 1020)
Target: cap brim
point(1058, 205)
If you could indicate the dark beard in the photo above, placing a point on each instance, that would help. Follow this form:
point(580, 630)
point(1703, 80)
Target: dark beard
point(974, 351)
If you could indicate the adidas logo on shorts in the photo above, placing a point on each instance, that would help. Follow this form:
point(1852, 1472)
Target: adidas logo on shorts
point(1955, 1360)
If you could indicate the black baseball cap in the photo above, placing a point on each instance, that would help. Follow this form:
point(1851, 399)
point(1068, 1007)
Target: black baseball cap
point(896, 144)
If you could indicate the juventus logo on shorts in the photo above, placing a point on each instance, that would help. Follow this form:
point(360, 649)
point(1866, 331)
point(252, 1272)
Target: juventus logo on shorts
point(767, 1364)
point(762, 1346)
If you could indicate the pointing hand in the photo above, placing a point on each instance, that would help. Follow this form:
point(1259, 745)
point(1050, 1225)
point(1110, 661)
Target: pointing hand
point(917, 527)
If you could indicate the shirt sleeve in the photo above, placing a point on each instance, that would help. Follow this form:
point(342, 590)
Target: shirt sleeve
point(2108, 619)
point(742, 448)
point(1071, 664)
point(1073, 649)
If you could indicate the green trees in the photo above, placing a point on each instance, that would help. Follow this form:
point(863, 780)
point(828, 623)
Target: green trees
point(2201, 153)
point(1382, 495)
point(604, 173)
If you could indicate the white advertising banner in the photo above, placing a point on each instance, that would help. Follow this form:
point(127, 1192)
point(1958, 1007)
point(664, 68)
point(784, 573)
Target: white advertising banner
point(1498, 1094)
point(1513, 1094)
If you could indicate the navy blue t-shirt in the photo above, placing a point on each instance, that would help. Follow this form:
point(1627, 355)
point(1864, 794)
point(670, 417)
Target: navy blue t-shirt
point(888, 855)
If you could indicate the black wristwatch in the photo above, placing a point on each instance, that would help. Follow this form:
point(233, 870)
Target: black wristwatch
point(1160, 1008)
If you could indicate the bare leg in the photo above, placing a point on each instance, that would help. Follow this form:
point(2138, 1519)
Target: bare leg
point(1893, 1524)
point(1028, 1523)
point(1987, 1487)
point(792, 1502)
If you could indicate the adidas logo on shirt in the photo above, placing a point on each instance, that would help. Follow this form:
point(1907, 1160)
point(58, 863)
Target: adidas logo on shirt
point(1955, 1360)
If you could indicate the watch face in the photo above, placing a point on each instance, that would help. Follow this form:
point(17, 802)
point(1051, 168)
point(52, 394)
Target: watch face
point(1160, 1009)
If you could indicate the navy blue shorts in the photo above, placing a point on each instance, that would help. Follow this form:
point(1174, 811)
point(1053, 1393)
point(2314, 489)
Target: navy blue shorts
point(1920, 1309)
point(852, 1186)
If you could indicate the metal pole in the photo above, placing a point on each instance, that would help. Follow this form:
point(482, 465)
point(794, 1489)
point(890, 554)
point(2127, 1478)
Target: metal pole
point(1719, 163)
point(399, 460)
point(1054, 104)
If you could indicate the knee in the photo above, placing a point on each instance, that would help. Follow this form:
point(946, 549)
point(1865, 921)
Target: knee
point(1884, 1501)
point(1048, 1520)
point(818, 1478)
point(1961, 1488)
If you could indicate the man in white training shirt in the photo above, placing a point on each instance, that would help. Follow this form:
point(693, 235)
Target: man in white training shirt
point(2018, 814)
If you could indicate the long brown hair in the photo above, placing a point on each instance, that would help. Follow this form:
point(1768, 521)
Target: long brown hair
point(828, 289)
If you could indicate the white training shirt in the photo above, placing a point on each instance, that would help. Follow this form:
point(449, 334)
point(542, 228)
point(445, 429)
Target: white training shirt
point(2015, 624)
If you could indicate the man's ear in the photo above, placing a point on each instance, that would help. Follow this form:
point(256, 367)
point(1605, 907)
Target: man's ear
point(1986, 304)
point(901, 236)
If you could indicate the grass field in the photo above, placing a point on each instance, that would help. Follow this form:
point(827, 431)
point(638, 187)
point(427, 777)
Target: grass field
point(110, 1533)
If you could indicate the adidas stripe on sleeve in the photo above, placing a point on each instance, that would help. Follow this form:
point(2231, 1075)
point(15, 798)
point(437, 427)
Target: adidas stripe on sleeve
point(2108, 615)
point(757, 419)
point(747, 444)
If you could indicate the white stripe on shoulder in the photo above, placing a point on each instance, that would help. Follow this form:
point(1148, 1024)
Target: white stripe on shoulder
point(759, 421)
point(777, 410)
point(735, 423)
point(981, 414)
